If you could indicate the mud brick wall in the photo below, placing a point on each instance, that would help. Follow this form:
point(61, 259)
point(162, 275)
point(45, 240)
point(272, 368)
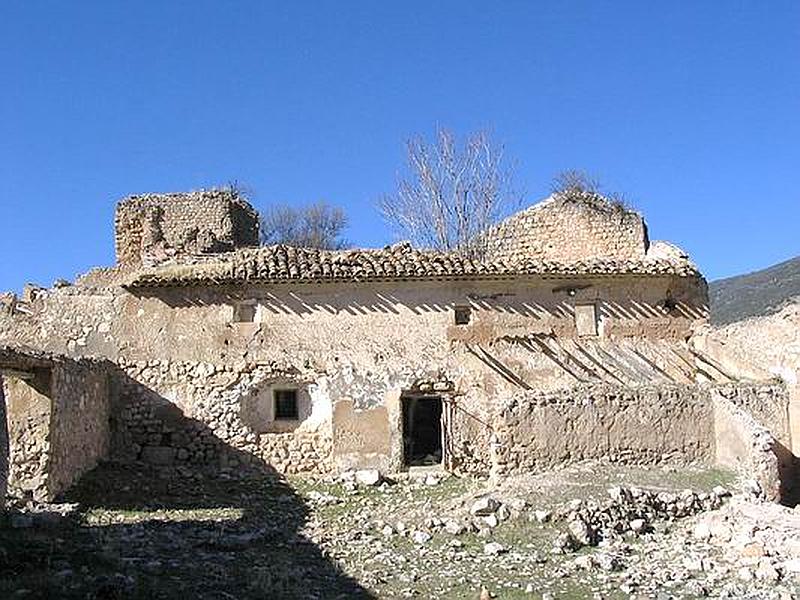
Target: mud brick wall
point(537, 431)
point(737, 425)
point(743, 444)
point(155, 226)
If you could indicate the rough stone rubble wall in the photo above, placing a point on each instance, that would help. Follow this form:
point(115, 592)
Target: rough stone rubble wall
point(191, 413)
point(3, 447)
point(79, 426)
point(569, 230)
point(58, 427)
point(154, 226)
point(28, 414)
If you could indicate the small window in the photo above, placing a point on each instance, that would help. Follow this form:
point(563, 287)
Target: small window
point(244, 312)
point(285, 405)
point(462, 314)
point(586, 319)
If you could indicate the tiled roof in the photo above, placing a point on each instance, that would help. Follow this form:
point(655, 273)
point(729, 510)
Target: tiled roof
point(273, 264)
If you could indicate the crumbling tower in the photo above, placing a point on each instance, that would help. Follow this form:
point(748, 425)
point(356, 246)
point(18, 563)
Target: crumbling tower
point(151, 228)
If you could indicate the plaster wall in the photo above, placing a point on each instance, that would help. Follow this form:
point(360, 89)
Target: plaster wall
point(196, 323)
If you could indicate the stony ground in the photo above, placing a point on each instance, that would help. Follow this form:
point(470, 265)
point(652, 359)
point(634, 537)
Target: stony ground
point(128, 532)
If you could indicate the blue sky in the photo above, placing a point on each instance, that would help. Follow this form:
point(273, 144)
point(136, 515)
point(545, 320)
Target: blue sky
point(692, 109)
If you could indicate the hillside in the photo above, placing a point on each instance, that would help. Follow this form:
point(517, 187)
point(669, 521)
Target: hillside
point(754, 294)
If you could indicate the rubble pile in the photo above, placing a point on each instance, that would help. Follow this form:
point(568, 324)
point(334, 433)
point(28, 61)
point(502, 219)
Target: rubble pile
point(628, 510)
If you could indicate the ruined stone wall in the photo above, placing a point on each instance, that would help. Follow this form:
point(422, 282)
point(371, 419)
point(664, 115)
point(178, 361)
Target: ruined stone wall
point(79, 422)
point(58, 427)
point(4, 456)
point(536, 431)
point(155, 226)
point(189, 413)
point(746, 446)
point(559, 229)
point(28, 416)
point(184, 359)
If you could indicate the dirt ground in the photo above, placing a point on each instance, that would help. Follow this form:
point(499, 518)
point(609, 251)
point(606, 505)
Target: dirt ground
point(136, 532)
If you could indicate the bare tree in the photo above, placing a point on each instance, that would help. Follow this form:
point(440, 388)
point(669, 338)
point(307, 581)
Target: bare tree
point(317, 225)
point(451, 194)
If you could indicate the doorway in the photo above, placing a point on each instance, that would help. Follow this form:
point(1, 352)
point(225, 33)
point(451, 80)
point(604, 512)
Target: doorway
point(422, 431)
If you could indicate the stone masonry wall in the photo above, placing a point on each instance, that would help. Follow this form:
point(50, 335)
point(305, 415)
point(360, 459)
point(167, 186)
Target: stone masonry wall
point(154, 226)
point(173, 413)
point(3, 447)
point(28, 415)
point(58, 427)
point(565, 230)
point(79, 429)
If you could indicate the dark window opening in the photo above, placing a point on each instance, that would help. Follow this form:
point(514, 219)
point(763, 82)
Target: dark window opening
point(422, 431)
point(244, 312)
point(285, 405)
point(462, 314)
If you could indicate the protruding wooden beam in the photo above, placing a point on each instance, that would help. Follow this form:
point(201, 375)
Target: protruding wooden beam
point(17, 374)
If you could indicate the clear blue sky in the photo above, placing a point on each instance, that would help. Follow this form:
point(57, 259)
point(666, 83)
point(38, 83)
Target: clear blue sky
point(691, 108)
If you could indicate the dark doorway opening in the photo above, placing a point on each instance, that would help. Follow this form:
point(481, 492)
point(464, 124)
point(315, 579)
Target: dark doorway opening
point(422, 431)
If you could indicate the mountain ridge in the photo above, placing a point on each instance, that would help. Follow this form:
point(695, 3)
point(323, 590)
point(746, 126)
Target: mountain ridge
point(760, 293)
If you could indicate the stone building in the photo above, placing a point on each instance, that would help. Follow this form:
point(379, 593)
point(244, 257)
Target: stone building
point(571, 340)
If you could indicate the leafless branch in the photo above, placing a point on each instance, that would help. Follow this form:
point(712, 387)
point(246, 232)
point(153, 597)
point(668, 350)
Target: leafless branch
point(451, 194)
point(319, 225)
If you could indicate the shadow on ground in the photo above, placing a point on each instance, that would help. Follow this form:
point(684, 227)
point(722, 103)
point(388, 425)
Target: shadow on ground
point(146, 532)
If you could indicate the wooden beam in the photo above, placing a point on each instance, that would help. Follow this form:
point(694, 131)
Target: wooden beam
point(24, 375)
